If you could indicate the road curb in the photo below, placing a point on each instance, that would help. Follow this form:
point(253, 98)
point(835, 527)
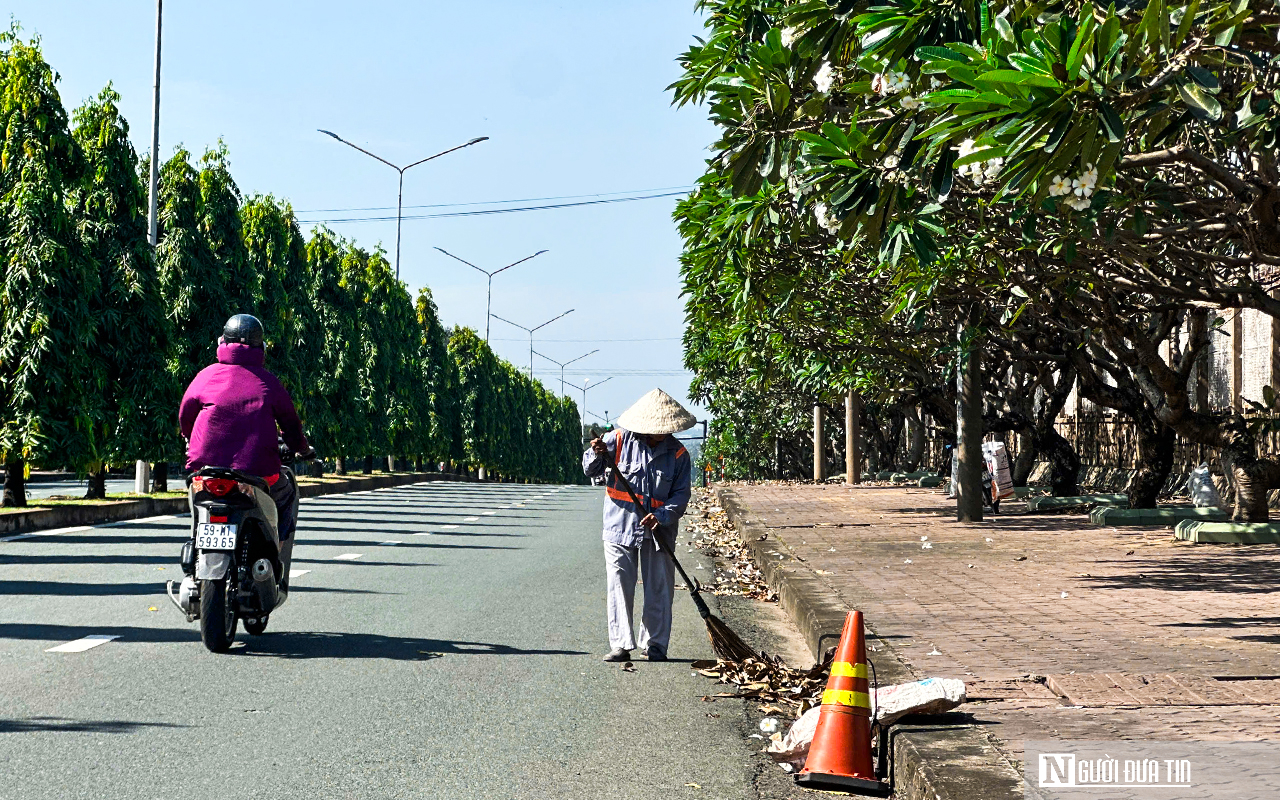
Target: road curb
point(937, 758)
point(70, 516)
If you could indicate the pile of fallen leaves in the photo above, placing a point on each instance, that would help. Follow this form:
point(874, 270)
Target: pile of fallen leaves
point(779, 689)
point(711, 532)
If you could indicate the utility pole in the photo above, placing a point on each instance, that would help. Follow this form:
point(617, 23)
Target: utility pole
point(142, 469)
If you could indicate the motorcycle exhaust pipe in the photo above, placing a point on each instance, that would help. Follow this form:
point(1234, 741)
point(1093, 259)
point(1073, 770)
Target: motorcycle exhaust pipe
point(264, 583)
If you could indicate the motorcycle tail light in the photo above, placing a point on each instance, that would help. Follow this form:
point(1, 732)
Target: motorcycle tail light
point(218, 487)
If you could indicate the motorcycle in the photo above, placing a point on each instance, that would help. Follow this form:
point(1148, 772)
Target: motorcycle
point(231, 564)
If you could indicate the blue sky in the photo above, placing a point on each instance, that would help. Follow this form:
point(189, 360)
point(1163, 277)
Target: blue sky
point(572, 96)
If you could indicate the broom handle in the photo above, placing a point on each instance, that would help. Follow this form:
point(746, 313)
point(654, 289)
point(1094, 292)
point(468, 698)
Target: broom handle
point(703, 611)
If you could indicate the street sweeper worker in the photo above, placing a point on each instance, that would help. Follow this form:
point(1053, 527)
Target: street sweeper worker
point(658, 469)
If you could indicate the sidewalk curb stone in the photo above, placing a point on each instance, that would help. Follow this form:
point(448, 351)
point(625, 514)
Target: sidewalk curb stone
point(40, 519)
point(930, 761)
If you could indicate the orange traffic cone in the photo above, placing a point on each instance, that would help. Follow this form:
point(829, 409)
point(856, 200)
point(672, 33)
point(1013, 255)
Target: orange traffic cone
point(840, 756)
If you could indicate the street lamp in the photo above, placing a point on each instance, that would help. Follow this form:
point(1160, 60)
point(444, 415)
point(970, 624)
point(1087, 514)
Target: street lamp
point(489, 297)
point(401, 170)
point(567, 363)
point(531, 332)
point(586, 384)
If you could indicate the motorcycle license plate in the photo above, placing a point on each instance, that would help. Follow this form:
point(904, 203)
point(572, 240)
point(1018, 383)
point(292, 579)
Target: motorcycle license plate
point(215, 536)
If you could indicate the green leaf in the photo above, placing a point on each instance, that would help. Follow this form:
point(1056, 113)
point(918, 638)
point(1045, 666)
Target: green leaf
point(1196, 97)
point(1111, 123)
point(1018, 78)
point(1203, 77)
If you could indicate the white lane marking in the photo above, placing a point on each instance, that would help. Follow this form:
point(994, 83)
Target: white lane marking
point(422, 533)
point(471, 519)
point(488, 513)
point(391, 542)
point(298, 573)
point(448, 527)
point(347, 557)
point(80, 645)
point(508, 505)
point(142, 520)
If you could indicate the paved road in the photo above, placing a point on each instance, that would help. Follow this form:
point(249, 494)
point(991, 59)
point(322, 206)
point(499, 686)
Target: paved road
point(456, 657)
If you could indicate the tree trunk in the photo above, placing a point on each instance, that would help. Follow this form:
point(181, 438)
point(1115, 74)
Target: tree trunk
point(1155, 461)
point(15, 484)
point(417, 464)
point(1025, 463)
point(915, 444)
point(160, 476)
point(368, 465)
point(1064, 463)
point(315, 469)
point(1252, 477)
point(391, 463)
point(97, 483)
point(969, 435)
point(340, 465)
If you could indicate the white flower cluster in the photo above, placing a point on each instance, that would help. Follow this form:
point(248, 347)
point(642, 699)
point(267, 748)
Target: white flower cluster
point(1076, 190)
point(886, 83)
point(824, 77)
point(789, 36)
point(909, 103)
point(979, 171)
point(823, 215)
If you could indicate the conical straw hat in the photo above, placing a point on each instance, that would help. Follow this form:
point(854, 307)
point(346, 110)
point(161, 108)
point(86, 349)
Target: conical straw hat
point(657, 412)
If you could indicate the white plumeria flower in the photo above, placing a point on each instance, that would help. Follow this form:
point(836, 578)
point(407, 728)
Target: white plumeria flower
point(824, 78)
point(1077, 203)
point(1089, 177)
point(909, 103)
point(1080, 188)
point(822, 214)
point(789, 36)
point(898, 82)
point(1059, 186)
point(891, 162)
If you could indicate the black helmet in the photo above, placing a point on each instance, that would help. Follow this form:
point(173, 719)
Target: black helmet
point(243, 328)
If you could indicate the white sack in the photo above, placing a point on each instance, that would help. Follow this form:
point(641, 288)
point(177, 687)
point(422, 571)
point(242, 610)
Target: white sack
point(997, 457)
point(1200, 486)
point(929, 696)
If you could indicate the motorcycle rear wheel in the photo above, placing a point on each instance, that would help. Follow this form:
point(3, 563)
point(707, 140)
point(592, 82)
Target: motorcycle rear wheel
point(217, 615)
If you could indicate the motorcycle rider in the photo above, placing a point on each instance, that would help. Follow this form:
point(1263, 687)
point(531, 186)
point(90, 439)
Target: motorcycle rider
point(229, 416)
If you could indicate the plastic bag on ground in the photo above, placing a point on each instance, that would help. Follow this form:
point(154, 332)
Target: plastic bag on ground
point(929, 696)
point(1200, 486)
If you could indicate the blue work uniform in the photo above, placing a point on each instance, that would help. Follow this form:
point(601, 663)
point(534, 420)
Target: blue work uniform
point(660, 475)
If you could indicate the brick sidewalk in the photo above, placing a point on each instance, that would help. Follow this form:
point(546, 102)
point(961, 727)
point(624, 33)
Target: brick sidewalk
point(985, 603)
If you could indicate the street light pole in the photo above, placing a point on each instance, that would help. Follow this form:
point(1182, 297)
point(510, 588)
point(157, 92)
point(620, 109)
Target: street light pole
point(142, 469)
point(567, 363)
point(532, 331)
point(583, 388)
point(402, 171)
point(488, 304)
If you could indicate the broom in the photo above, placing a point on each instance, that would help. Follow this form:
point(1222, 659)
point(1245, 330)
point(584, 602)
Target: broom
point(727, 644)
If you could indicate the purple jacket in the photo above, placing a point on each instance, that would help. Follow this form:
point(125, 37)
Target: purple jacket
point(230, 412)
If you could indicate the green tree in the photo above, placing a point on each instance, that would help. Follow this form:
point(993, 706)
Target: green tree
point(335, 411)
point(131, 348)
point(50, 405)
point(437, 419)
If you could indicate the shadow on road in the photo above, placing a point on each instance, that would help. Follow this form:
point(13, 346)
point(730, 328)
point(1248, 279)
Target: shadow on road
point(64, 725)
point(300, 644)
point(69, 589)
